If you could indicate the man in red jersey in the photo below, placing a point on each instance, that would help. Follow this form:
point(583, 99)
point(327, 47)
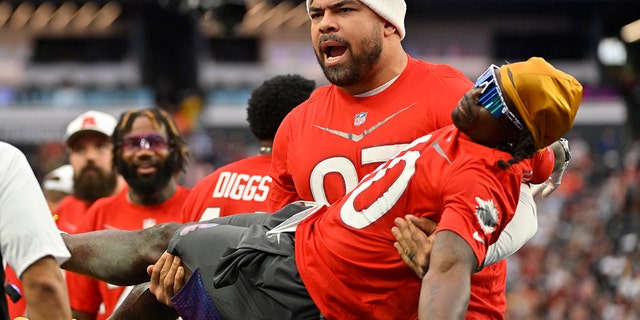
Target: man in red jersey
point(90, 154)
point(149, 153)
point(243, 186)
point(379, 100)
point(466, 177)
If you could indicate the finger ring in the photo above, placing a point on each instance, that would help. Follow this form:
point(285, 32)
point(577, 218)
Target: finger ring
point(411, 255)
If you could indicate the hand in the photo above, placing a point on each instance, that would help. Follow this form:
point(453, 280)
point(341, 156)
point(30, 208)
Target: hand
point(546, 188)
point(562, 154)
point(415, 239)
point(167, 277)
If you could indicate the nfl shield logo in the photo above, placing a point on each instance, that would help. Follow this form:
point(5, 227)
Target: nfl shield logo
point(360, 119)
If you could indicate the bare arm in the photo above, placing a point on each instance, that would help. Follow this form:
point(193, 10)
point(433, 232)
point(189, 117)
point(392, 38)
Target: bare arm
point(116, 256)
point(45, 290)
point(446, 287)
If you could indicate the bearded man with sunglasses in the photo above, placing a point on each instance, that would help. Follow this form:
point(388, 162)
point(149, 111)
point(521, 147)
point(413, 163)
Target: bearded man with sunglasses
point(149, 153)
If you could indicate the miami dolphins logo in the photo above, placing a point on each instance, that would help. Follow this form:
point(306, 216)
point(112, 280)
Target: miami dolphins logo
point(487, 214)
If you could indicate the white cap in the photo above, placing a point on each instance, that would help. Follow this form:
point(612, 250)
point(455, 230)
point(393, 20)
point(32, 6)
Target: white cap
point(390, 10)
point(60, 179)
point(95, 121)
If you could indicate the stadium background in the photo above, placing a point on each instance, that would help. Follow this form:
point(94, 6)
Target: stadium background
point(59, 58)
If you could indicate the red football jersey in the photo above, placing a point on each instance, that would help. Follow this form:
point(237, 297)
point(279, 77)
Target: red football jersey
point(116, 212)
point(331, 141)
point(238, 187)
point(345, 254)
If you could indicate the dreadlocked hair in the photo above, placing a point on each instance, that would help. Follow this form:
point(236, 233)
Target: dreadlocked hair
point(524, 148)
point(160, 118)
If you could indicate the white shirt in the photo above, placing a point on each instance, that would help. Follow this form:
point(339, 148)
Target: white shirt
point(27, 230)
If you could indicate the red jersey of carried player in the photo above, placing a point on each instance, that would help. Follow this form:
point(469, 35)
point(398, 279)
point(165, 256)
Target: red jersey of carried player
point(345, 254)
point(238, 187)
point(328, 143)
point(129, 217)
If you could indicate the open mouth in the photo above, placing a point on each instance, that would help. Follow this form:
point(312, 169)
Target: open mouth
point(334, 52)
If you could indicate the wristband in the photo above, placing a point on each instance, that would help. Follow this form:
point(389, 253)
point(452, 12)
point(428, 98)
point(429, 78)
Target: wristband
point(556, 177)
point(564, 143)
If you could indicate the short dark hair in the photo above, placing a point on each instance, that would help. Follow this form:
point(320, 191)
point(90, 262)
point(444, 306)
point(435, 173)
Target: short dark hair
point(272, 101)
point(160, 118)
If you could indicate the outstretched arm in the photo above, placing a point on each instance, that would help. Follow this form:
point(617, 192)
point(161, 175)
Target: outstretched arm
point(446, 288)
point(116, 256)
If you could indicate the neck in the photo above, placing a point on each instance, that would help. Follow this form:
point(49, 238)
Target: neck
point(265, 150)
point(387, 68)
point(265, 146)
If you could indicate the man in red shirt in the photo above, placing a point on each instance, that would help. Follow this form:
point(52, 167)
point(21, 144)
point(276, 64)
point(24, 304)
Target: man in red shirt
point(90, 154)
point(243, 186)
point(149, 153)
point(465, 177)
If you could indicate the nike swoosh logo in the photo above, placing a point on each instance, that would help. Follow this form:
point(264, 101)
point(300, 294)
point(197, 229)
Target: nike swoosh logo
point(436, 146)
point(477, 237)
point(357, 137)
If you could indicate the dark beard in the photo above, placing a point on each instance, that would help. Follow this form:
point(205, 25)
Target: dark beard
point(359, 66)
point(91, 186)
point(146, 186)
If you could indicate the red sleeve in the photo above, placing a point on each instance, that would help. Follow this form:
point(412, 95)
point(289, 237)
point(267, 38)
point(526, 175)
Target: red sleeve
point(282, 191)
point(84, 294)
point(542, 164)
point(16, 309)
point(477, 206)
point(192, 207)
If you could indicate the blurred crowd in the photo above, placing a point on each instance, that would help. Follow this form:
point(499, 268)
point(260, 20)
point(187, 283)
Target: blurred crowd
point(583, 262)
